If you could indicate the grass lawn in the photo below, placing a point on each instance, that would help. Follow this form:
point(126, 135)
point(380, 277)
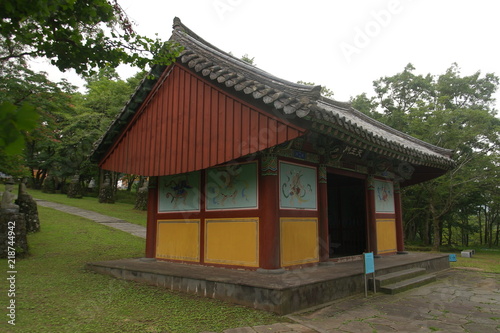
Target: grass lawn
point(484, 260)
point(54, 293)
point(119, 210)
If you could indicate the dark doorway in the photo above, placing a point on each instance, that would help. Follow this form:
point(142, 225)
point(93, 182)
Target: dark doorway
point(346, 215)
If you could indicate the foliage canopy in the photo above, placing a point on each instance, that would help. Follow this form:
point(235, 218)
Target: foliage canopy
point(77, 34)
point(83, 35)
point(455, 112)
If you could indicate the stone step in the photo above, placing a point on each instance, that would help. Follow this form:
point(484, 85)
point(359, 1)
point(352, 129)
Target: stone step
point(398, 276)
point(398, 287)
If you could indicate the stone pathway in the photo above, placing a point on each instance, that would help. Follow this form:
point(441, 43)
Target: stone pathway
point(274, 328)
point(109, 221)
point(460, 301)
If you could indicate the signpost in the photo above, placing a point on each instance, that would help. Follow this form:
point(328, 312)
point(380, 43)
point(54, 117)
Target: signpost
point(369, 268)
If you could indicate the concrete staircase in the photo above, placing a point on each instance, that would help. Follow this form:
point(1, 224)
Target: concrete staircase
point(396, 282)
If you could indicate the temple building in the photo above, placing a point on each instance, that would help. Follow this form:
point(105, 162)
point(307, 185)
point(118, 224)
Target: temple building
point(248, 170)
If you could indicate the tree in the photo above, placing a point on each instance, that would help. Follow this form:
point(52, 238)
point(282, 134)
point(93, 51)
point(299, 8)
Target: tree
point(89, 119)
point(246, 58)
point(401, 94)
point(15, 117)
point(77, 34)
point(452, 111)
point(13, 121)
point(365, 104)
point(22, 89)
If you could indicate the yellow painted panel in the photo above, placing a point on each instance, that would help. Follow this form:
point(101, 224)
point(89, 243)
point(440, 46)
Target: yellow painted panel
point(386, 235)
point(232, 241)
point(299, 241)
point(178, 239)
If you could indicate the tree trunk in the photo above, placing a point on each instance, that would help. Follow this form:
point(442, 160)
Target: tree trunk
point(480, 227)
point(130, 181)
point(436, 228)
point(486, 228)
point(140, 183)
point(498, 233)
point(37, 178)
point(426, 232)
point(114, 181)
point(489, 222)
point(465, 231)
point(450, 233)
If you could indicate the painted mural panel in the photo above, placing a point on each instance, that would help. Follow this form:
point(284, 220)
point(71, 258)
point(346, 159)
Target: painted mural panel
point(179, 193)
point(384, 196)
point(297, 186)
point(232, 187)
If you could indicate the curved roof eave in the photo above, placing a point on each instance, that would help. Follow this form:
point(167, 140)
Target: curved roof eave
point(287, 97)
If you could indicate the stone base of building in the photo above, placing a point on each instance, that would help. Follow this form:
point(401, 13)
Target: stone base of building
point(291, 291)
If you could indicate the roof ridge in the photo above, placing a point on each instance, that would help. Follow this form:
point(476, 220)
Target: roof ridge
point(180, 28)
point(347, 107)
point(300, 100)
point(387, 127)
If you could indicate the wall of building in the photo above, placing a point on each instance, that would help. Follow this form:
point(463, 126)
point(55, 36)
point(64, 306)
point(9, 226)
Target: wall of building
point(261, 212)
point(186, 123)
point(298, 212)
point(385, 216)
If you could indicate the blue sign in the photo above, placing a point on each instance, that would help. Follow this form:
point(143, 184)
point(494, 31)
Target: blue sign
point(453, 258)
point(369, 263)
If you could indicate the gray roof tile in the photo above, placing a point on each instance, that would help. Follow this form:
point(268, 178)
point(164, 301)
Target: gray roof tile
point(303, 101)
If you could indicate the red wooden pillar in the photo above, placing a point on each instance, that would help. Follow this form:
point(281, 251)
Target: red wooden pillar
point(151, 219)
point(269, 232)
point(324, 248)
point(399, 218)
point(370, 215)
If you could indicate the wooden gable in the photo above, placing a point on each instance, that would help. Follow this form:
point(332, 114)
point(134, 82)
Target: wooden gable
point(188, 124)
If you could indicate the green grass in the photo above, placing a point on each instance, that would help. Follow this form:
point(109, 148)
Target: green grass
point(54, 293)
point(119, 210)
point(484, 260)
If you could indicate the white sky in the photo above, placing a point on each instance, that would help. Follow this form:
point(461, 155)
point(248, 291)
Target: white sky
point(344, 45)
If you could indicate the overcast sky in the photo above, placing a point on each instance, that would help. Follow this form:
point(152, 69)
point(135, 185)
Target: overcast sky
point(343, 45)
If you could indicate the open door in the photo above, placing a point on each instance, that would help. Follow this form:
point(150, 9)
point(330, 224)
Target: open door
point(346, 215)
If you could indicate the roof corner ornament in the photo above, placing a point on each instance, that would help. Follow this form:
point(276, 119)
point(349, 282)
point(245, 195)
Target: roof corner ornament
point(177, 24)
point(317, 91)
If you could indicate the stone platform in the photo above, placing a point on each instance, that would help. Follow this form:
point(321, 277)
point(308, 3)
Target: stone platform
point(282, 292)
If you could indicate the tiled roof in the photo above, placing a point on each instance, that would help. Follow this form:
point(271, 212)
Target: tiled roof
point(374, 135)
point(322, 115)
point(304, 101)
point(225, 69)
